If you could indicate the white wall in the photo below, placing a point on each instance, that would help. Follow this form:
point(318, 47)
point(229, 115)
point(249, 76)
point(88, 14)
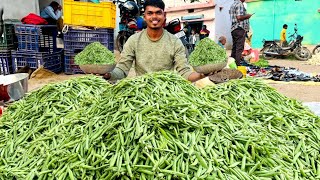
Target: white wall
point(177, 3)
point(17, 9)
point(222, 21)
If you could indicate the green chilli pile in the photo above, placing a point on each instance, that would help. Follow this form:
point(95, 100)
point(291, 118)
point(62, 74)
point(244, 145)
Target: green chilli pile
point(95, 53)
point(207, 52)
point(158, 126)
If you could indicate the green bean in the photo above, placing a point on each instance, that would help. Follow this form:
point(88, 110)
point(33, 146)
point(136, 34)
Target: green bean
point(158, 126)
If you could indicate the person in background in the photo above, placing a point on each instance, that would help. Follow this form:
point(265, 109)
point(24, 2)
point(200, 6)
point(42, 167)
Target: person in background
point(143, 50)
point(239, 28)
point(187, 29)
point(283, 35)
point(222, 41)
point(204, 32)
point(51, 13)
point(193, 38)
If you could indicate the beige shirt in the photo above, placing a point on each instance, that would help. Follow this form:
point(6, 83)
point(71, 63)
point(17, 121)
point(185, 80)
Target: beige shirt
point(167, 53)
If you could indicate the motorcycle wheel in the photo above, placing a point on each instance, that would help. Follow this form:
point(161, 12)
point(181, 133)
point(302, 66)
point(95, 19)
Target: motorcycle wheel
point(265, 49)
point(316, 50)
point(302, 53)
point(121, 40)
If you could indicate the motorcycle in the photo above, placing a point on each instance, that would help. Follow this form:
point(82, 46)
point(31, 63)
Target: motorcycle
point(316, 50)
point(174, 27)
point(273, 49)
point(128, 24)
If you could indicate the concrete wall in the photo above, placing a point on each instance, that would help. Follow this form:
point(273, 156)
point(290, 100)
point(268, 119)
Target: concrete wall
point(176, 3)
point(304, 13)
point(222, 21)
point(17, 9)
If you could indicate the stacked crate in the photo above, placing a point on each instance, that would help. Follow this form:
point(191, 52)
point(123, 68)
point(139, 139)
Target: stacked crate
point(37, 46)
point(87, 22)
point(8, 42)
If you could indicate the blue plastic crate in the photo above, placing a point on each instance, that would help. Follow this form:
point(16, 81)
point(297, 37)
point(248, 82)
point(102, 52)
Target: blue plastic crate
point(5, 62)
point(37, 38)
point(52, 62)
point(76, 40)
point(69, 66)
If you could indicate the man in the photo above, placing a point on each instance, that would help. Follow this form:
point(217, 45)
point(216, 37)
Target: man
point(204, 32)
point(187, 29)
point(239, 28)
point(51, 13)
point(153, 49)
point(283, 35)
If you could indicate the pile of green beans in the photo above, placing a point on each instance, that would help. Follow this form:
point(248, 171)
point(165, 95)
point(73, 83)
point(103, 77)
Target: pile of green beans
point(158, 126)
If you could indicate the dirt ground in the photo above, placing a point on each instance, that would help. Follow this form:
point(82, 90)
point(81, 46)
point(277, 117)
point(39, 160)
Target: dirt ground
point(302, 91)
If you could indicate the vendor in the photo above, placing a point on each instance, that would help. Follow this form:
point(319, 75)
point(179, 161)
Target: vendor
point(52, 14)
point(143, 48)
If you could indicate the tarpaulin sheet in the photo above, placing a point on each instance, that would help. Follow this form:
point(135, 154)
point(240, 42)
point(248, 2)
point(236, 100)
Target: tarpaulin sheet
point(314, 107)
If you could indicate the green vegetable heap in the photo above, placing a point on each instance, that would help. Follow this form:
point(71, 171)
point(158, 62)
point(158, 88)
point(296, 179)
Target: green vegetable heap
point(158, 126)
point(207, 52)
point(95, 53)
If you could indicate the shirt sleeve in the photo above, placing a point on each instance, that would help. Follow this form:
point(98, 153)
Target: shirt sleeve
point(126, 60)
point(180, 60)
point(49, 10)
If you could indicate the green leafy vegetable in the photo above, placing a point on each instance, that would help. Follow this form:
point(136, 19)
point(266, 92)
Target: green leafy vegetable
point(262, 63)
point(95, 53)
point(207, 52)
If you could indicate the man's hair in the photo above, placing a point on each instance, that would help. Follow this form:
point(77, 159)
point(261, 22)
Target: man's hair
point(154, 3)
point(205, 26)
point(285, 26)
point(222, 38)
point(54, 4)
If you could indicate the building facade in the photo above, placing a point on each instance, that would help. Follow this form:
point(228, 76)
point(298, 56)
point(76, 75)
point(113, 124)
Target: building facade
point(270, 16)
point(196, 14)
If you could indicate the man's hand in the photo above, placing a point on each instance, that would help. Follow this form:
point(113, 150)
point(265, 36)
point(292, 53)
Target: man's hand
point(195, 76)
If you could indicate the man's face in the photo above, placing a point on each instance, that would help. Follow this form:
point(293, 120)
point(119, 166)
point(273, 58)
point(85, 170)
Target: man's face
point(154, 17)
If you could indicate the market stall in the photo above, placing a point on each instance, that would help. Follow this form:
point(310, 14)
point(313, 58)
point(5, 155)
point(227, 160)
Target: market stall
point(158, 125)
